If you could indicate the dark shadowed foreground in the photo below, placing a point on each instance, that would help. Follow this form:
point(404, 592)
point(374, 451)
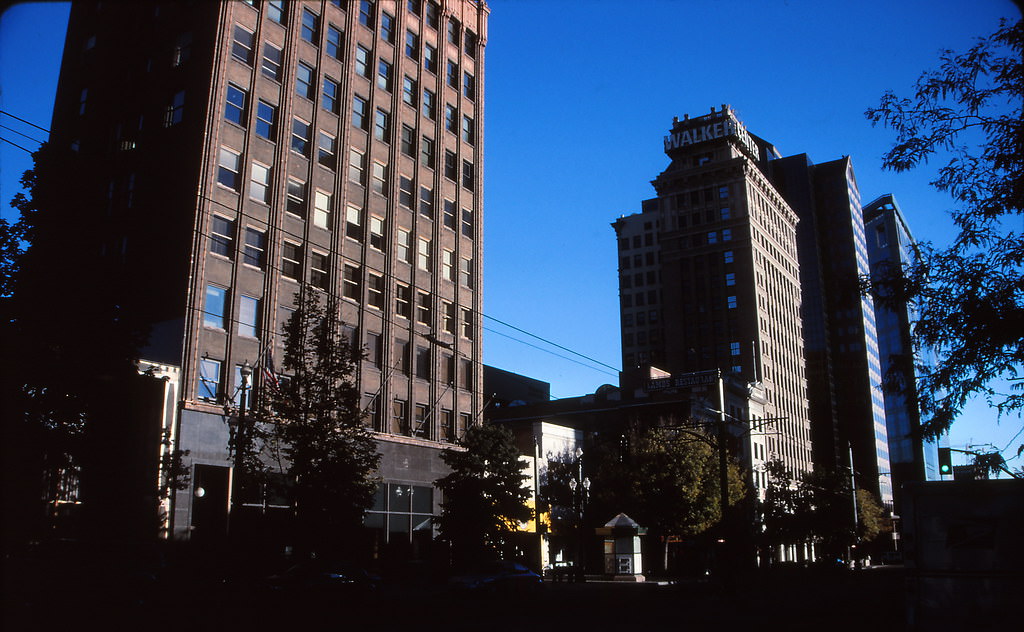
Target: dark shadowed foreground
point(247, 599)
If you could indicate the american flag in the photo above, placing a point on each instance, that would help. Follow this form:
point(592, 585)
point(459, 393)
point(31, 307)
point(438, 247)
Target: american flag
point(270, 373)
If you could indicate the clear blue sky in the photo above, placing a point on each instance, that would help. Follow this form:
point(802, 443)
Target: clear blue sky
point(579, 95)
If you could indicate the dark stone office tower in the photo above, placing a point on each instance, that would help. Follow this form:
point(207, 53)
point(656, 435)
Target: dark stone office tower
point(844, 371)
point(709, 277)
point(241, 150)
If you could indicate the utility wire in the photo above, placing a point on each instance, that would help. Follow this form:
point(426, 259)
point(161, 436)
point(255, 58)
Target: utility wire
point(242, 213)
point(1013, 439)
point(17, 145)
point(24, 121)
point(548, 350)
point(21, 134)
point(553, 344)
point(386, 274)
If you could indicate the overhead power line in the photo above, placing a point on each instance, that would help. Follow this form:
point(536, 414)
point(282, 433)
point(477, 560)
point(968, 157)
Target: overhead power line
point(557, 355)
point(35, 140)
point(497, 320)
point(24, 121)
point(553, 344)
point(11, 142)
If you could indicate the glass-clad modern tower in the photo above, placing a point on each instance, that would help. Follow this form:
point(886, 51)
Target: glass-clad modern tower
point(891, 247)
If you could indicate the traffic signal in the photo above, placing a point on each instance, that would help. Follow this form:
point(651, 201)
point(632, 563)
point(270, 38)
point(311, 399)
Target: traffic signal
point(945, 462)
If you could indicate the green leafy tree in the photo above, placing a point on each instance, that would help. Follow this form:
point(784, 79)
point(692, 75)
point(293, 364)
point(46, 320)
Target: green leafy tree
point(785, 509)
point(668, 480)
point(313, 426)
point(970, 294)
point(10, 249)
point(484, 498)
point(818, 507)
point(872, 520)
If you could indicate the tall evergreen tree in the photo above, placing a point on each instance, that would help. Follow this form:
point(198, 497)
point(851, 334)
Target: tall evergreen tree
point(313, 425)
point(484, 498)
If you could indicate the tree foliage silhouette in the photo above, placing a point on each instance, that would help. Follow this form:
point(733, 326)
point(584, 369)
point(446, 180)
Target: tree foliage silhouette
point(72, 321)
point(484, 496)
point(970, 294)
point(312, 426)
point(666, 479)
point(818, 507)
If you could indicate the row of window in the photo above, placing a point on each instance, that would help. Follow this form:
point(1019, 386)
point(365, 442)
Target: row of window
point(243, 49)
point(297, 200)
point(222, 237)
point(638, 280)
point(265, 126)
point(639, 299)
point(422, 424)
point(383, 129)
point(425, 203)
point(638, 241)
point(215, 311)
point(229, 174)
point(210, 387)
point(420, 362)
point(309, 30)
point(636, 261)
point(640, 318)
point(380, 178)
point(292, 258)
point(701, 196)
point(417, 363)
point(642, 338)
point(453, 31)
point(453, 320)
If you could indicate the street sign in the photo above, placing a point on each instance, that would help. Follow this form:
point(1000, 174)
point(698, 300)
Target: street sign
point(699, 378)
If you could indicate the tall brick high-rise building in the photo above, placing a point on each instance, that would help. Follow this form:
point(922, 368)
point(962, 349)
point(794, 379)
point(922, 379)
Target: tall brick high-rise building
point(748, 263)
point(240, 151)
point(709, 278)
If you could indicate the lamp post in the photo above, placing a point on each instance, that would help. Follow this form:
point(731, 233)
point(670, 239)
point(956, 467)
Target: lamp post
point(245, 371)
point(240, 441)
point(580, 487)
point(724, 537)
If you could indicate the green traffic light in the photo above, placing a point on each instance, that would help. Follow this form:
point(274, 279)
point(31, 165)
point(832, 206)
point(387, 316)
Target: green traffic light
point(945, 461)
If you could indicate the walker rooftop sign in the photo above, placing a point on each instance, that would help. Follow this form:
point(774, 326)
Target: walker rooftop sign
point(702, 130)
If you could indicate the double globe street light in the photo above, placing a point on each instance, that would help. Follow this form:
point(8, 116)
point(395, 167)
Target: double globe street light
point(580, 487)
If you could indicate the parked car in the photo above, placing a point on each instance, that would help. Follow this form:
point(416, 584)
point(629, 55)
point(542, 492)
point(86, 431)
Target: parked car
point(323, 578)
point(499, 576)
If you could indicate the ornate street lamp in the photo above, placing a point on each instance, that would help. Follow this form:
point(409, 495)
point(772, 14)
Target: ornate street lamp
point(580, 487)
point(240, 440)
